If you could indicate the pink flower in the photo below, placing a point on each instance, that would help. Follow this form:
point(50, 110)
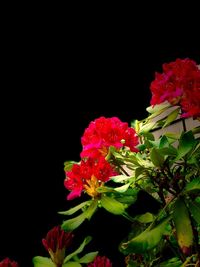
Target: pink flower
point(8, 263)
point(56, 242)
point(88, 176)
point(105, 132)
point(179, 84)
point(100, 261)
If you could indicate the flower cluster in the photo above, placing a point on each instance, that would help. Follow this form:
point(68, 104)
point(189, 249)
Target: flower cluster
point(105, 132)
point(179, 84)
point(101, 262)
point(94, 170)
point(88, 175)
point(8, 263)
point(56, 243)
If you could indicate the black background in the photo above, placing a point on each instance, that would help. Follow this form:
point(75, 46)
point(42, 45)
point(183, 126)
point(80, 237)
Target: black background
point(56, 83)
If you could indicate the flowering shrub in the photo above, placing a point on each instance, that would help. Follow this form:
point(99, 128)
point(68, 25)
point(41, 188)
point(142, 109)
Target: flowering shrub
point(118, 162)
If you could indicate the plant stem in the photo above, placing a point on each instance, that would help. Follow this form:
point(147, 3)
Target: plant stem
point(184, 125)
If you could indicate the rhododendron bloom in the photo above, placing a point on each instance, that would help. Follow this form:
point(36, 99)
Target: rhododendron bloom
point(101, 261)
point(8, 263)
point(105, 132)
point(88, 176)
point(179, 84)
point(56, 242)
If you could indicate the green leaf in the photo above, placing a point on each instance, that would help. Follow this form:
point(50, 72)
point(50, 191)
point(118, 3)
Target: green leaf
point(141, 147)
point(112, 205)
point(68, 165)
point(159, 108)
point(91, 209)
point(75, 209)
point(171, 117)
point(89, 257)
point(147, 127)
point(163, 142)
point(119, 178)
point(79, 250)
point(173, 262)
point(156, 157)
point(194, 185)
point(145, 218)
point(122, 188)
point(71, 264)
point(174, 136)
point(139, 171)
point(182, 224)
point(186, 143)
point(104, 189)
point(42, 262)
point(148, 136)
point(146, 240)
point(71, 224)
point(195, 210)
point(196, 130)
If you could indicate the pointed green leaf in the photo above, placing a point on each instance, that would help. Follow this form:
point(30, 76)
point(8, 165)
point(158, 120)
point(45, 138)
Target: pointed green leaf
point(163, 142)
point(171, 117)
point(141, 147)
point(146, 240)
point(112, 205)
point(174, 136)
point(71, 264)
point(89, 257)
point(173, 262)
point(196, 130)
point(147, 127)
point(79, 250)
point(139, 171)
point(71, 224)
point(186, 143)
point(42, 262)
point(75, 209)
point(194, 185)
point(168, 151)
point(156, 157)
point(183, 225)
point(158, 108)
point(91, 209)
point(122, 188)
point(195, 210)
point(104, 189)
point(145, 218)
point(119, 178)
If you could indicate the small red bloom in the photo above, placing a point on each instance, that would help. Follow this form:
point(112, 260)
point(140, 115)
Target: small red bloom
point(179, 84)
point(100, 261)
point(105, 132)
point(88, 175)
point(8, 263)
point(56, 242)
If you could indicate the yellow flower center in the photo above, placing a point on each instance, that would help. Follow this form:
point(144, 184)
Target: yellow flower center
point(103, 151)
point(91, 187)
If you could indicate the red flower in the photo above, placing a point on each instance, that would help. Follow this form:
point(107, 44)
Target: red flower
point(178, 84)
point(100, 262)
point(56, 242)
point(88, 176)
point(8, 263)
point(105, 132)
